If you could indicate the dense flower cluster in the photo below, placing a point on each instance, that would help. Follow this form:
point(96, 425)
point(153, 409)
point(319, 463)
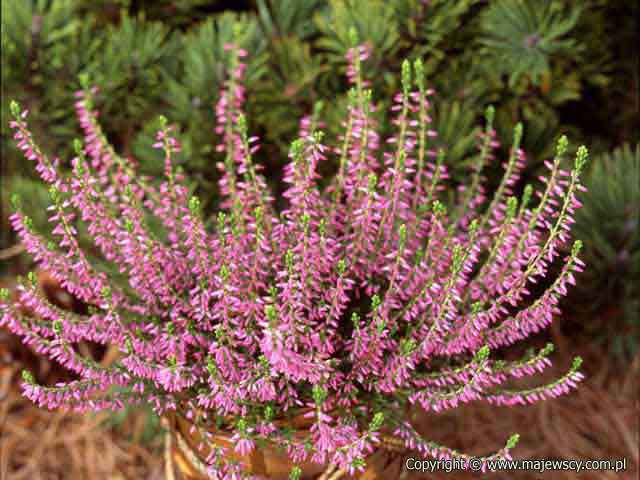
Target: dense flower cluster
point(352, 303)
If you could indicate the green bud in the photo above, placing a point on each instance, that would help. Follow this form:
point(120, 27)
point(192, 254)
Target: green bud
point(77, 147)
point(322, 228)
point(577, 363)
point(319, 394)
point(306, 220)
point(549, 347)
point(419, 256)
point(489, 115)
point(296, 473)
point(458, 256)
point(84, 81)
point(407, 346)
point(581, 158)
point(402, 233)
point(473, 227)
point(15, 201)
point(106, 292)
point(194, 205)
point(526, 197)
point(297, 147)
point(172, 360)
point(171, 328)
point(512, 207)
point(57, 327)
point(575, 249)
point(54, 194)
point(80, 168)
point(242, 123)
point(342, 267)
point(406, 76)
point(222, 218)
point(258, 214)
point(15, 109)
point(272, 314)
point(4, 294)
point(129, 345)
point(264, 362)
point(373, 181)
point(563, 144)
point(376, 423)
point(162, 120)
point(513, 441)
point(128, 225)
point(438, 208)
point(224, 273)
point(353, 37)
point(418, 66)
point(273, 291)
point(355, 319)
point(28, 223)
point(482, 354)
point(476, 308)
point(27, 376)
point(289, 259)
point(318, 135)
point(33, 279)
point(268, 413)
point(402, 157)
point(375, 302)
point(382, 324)
point(242, 425)
point(211, 367)
point(517, 135)
point(367, 95)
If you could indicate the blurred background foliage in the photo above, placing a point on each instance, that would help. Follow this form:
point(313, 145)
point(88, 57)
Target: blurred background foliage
point(558, 66)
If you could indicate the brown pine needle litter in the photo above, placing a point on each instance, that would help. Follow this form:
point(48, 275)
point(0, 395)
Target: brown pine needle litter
point(36, 444)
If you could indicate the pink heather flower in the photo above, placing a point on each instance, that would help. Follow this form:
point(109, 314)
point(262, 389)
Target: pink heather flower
point(377, 286)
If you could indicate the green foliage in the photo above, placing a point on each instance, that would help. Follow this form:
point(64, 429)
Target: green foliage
point(191, 90)
point(374, 23)
point(521, 36)
point(433, 30)
point(609, 222)
point(457, 129)
point(130, 67)
point(531, 59)
point(36, 41)
point(282, 18)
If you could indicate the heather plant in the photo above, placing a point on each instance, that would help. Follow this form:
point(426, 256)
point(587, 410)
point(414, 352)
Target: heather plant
point(351, 304)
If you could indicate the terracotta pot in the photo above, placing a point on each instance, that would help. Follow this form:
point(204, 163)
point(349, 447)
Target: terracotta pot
point(183, 461)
